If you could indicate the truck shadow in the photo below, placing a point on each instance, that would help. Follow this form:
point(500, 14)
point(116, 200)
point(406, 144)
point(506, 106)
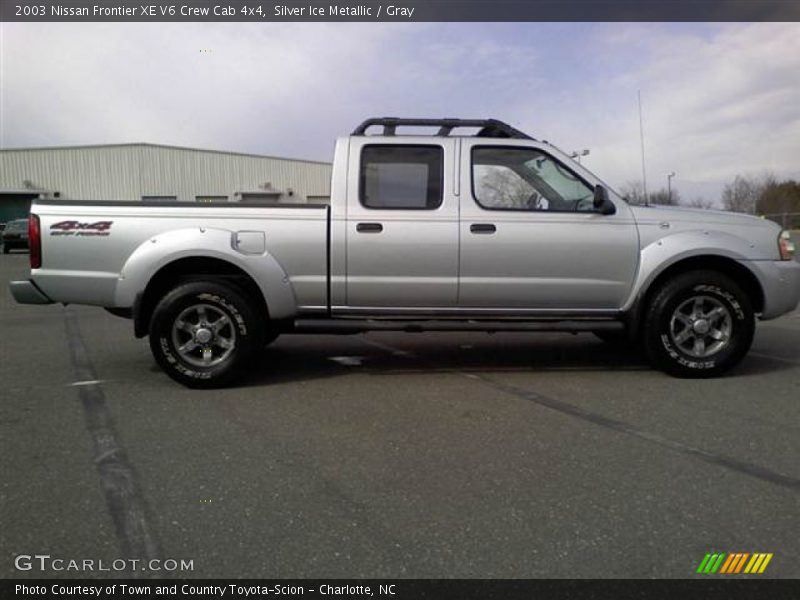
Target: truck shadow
point(303, 357)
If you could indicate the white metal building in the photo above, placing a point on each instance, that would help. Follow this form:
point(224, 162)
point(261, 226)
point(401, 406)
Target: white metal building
point(156, 173)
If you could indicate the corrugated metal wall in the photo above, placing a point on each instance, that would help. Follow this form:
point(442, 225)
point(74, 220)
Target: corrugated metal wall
point(128, 172)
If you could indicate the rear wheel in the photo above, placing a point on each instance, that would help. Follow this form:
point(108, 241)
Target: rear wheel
point(205, 333)
point(699, 324)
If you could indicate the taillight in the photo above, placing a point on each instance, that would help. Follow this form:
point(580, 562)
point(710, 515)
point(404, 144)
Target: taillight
point(35, 241)
point(786, 245)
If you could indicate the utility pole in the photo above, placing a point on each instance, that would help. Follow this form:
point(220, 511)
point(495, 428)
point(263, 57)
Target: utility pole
point(641, 139)
point(670, 175)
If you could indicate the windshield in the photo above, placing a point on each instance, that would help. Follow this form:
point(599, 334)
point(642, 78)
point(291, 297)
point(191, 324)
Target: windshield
point(580, 166)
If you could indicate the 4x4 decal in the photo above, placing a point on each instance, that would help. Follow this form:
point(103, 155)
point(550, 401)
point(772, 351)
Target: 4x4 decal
point(76, 228)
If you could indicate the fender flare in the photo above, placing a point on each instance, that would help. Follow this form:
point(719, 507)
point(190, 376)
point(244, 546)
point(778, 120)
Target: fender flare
point(668, 251)
point(166, 248)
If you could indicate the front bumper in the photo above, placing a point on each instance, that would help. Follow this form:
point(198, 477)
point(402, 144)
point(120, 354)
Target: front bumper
point(780, 281)
point(26, 292)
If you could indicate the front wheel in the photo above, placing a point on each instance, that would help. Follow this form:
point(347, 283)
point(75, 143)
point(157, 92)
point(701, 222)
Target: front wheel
point(699, 324)
point(204, 334)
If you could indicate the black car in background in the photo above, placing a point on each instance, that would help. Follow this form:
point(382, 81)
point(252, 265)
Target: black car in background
point(15, 235)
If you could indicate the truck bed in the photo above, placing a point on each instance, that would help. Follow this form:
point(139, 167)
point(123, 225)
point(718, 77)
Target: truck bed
point(112, 241)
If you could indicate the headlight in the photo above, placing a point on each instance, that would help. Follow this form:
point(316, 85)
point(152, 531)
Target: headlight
point(786, 246)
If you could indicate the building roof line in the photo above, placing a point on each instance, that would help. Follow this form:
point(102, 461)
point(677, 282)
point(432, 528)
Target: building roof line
point(167, 146)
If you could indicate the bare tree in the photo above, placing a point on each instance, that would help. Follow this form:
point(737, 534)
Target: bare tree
point(778, 197)
point(741, 194)
point(769, 179)
point(699, 202)
point(503, 188)
point(664, 197)
point(633, 192)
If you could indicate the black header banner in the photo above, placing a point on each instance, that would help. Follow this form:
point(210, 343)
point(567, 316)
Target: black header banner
point(401, 11)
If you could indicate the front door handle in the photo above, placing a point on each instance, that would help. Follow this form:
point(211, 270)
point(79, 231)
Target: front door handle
point(369, 228)
point(482, 228)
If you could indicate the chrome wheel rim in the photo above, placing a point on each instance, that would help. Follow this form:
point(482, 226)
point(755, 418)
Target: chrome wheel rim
point(701, 326)
point(203, 335)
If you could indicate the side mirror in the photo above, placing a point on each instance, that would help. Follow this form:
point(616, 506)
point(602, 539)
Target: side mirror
point(602, 203)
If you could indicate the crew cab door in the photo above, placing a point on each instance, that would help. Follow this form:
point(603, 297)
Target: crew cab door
point(531, 238)
point(402, 223)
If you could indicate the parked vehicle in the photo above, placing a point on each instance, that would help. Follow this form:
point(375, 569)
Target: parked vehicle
point(15, 235)
point(488, 232)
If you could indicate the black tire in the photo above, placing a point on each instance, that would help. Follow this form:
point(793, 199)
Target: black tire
point(6, 249)
point(189, 357)
point(676, 320)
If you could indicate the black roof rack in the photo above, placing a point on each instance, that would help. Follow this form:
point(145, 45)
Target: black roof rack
point(488, 127)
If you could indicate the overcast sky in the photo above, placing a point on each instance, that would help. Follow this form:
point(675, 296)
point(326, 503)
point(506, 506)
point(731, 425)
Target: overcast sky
point(719, 99)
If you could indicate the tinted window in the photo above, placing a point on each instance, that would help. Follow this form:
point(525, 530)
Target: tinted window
point(526, 179)
point(407, 177)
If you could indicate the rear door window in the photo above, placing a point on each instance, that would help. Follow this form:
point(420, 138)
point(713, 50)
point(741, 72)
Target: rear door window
point(401, 177)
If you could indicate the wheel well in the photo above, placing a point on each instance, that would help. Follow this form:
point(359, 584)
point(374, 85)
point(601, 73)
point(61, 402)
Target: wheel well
point(192, 268)
point(733, 269)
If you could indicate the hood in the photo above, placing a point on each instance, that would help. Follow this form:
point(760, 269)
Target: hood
point(744, 235)
point(679, 215)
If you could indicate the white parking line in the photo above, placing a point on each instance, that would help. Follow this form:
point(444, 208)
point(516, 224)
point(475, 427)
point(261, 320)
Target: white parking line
point(119, 481)
point(391, 349)
point(778, 358)
point(87, 382)
point(348, 361)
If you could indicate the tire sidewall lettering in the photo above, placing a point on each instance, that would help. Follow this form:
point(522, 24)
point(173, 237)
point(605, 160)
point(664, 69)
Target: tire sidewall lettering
point(165, 343)
point(680, 359)
point(229, 307)
point(733, 303)
point(673, 352)
point(177, 364)
point(244, 320)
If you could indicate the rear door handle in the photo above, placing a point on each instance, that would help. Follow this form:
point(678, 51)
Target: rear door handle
point(482, 228)
point(369, 228)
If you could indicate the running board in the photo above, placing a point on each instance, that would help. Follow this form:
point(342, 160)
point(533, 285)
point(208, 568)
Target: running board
point(362, 325)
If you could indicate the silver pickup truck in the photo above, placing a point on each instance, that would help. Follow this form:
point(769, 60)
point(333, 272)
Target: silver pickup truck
point(487, 231)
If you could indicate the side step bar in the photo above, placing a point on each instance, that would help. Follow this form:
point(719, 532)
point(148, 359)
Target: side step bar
point(362, 325)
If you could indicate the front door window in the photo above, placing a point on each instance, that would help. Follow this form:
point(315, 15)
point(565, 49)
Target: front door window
point(526, 179)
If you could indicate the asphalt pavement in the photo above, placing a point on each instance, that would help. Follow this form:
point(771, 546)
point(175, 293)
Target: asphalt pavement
point(393, 455)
